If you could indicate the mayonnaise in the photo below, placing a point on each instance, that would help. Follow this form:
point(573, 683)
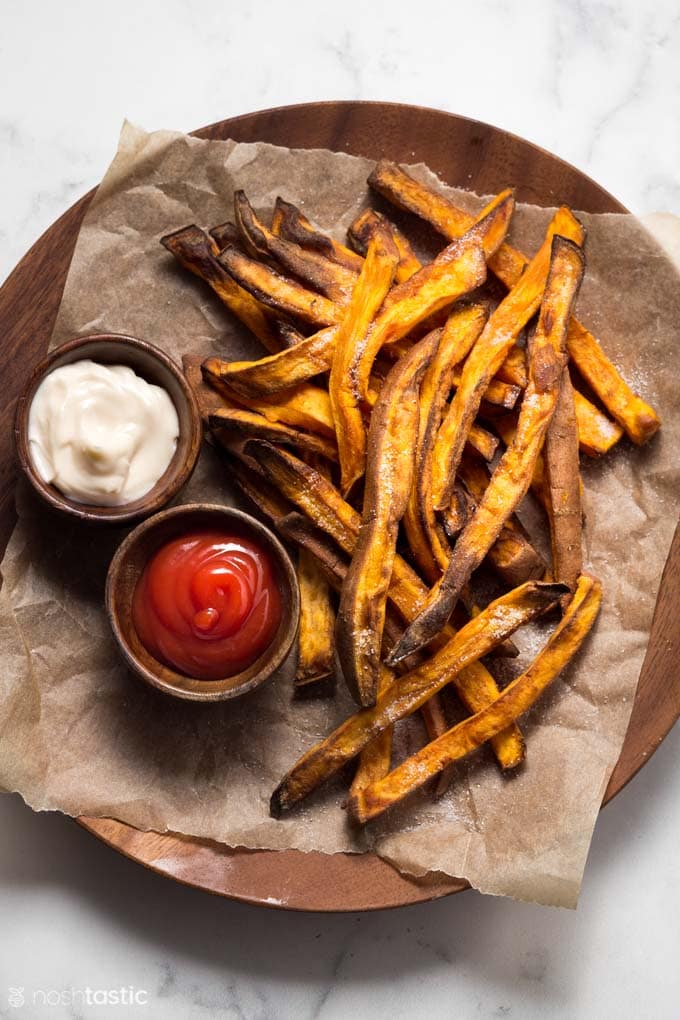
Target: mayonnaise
point(100, 433)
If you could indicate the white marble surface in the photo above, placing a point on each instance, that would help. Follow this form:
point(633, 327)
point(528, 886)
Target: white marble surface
point(598, 83)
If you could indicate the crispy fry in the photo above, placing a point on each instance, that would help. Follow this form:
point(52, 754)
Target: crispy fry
point(488, 354)
point(403, 697)
point(224, 234)
point(429, 547)
point(306, 407)
point(252, 424)
point(514, 368)
point(288, 222)
point(564, 493)
point(324, 505)
point(264, 496)
point(636, 416)
point(314, 674)
point(371, 800)
point(596, 432)
point(483, 442)
point(392, 440)
point(456, 271)
point(278, 292)
point(364, 229)
point(507, 649)
point(375, 758)
point(372, 286)
point(310, 357)
point(498, 392)
point(197, 252)
point(324, 275)
point(511, 479)
point(288, 335)
point(512, 555)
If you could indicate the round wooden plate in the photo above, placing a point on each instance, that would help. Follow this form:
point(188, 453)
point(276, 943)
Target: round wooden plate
point(464, 153)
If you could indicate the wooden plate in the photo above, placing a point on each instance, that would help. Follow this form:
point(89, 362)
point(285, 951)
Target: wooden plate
point(464, 153)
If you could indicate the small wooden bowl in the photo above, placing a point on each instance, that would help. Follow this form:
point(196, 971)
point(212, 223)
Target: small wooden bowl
point(128, 564)
point(151, 364)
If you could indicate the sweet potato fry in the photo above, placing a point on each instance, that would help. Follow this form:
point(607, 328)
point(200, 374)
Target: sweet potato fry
point(321, 273)
point(457, 270)
point(197, 252)
point(278, 292)
point(512, 555)
point(224, 234)
point(501, 618)
point(288, 222)
point(314, 674)
point(287, 334)
point(511, 479)
point(488, 354)
point(498, 392)
point(371, 289)
point(325, 507)
point(264, 496)
point(596, 432)
point(636, 416)
point(364, 229)
point(507, 649)
point(305, 406)
point(375, 758)
point(430, 548)
point(514, 368)
point(564, 493)
point(277, 372)
point(392, 440)
point(253, 425)
point(371, 800)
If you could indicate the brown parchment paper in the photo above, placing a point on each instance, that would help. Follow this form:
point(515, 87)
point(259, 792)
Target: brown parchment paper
point(80, 735)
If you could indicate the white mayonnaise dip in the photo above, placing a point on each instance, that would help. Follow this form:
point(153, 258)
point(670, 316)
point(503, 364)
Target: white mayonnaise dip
point(100, 433)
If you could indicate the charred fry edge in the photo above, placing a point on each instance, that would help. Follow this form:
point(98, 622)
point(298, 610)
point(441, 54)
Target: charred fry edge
point(325, 507)
point(471, 733)
point(314, 673)
point(330, 279)
point(404, 696)
point(564, 489)
point(392, 440)
point(636, 416)
point(197, 252)
point(511, 479)
point(488, 354)
point(370, 291)
point(278, 292)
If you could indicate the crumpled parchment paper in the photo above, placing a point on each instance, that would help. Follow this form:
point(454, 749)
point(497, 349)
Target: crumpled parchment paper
point(80, 735)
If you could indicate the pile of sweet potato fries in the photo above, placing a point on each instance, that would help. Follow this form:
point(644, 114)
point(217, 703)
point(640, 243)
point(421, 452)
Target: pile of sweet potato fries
point(393, 430)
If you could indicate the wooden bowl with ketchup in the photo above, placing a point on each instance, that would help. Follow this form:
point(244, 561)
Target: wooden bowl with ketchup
point(203, 601)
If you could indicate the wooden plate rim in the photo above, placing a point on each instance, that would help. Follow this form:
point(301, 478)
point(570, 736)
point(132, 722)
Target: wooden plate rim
point(117, 834)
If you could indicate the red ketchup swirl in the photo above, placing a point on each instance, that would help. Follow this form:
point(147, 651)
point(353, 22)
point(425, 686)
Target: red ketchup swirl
point(207, 604)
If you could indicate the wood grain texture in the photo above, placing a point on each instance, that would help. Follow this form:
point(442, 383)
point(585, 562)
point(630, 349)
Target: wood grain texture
point(464, 153)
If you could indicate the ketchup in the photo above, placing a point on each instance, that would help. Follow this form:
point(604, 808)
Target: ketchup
point(207, 604)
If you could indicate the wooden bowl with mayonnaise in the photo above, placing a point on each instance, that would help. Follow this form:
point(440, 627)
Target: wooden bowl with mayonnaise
point(107, 429)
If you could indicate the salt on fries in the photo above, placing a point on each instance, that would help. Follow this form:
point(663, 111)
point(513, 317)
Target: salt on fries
point(368, 437)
